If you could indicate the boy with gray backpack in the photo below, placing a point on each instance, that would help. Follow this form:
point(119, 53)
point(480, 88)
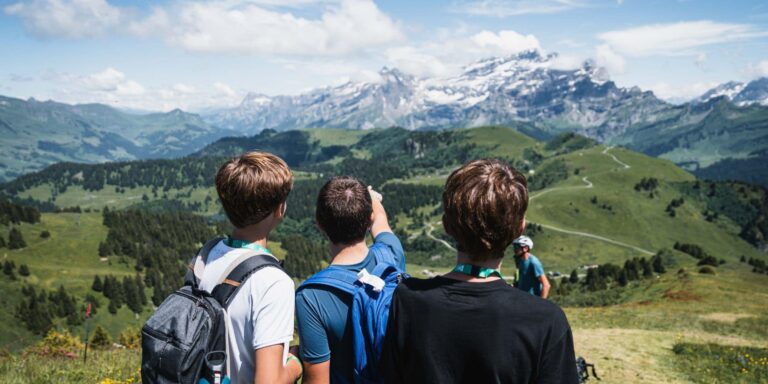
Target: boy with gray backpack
point(233, 319)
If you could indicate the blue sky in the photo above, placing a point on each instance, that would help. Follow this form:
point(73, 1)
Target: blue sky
point(159, 55)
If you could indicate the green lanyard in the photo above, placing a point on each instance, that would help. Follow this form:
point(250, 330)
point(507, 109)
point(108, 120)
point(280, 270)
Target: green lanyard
point(237, 243)
point(474, 270)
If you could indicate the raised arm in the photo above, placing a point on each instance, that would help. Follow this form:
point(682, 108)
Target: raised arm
point(380, 221)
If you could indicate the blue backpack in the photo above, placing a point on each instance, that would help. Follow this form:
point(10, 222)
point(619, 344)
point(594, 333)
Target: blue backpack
point(369, 311)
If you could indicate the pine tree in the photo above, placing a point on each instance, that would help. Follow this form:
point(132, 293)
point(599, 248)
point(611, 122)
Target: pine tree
point(130, 291)
point(15, 239)
point(2, 242)
point(8, 268)
point(101, 338)
point(658, 265)
point(574, 278)
point(24, 270)
point(623, 281)
point(112, 307)
point(97, 286)
point(140, 290)
point(647, 269)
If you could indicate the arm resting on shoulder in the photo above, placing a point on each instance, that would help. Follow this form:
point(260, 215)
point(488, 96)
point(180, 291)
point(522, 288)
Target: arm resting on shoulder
point(270, 369)
point(319, 373)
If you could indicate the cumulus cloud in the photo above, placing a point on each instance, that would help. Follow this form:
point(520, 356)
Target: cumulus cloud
point(759, 70)
point(675, 39)
point(443, 57)
point(66, 18)
point(352, 25)
point(113, 87)
point(680, 93)
point(505, 8)
point(612, 61)
point(235, 26)
point(111, 81)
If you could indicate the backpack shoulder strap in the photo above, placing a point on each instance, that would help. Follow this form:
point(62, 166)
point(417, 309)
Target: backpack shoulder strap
point(341, 279)
point(225, 291)
point(192, 277)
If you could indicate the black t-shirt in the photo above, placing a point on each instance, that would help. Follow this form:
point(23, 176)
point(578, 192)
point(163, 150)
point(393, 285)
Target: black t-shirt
point(446, 331)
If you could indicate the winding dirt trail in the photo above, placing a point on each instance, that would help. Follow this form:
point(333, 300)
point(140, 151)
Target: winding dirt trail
point(587, 185)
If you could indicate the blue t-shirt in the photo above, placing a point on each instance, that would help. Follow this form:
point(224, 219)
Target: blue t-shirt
point(323, 313)
point(529, 272)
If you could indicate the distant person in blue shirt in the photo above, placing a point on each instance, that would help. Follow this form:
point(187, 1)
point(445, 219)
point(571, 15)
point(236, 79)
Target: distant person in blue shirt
point(346, 212)
point(530, 273)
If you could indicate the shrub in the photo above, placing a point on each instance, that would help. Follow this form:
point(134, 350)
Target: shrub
point(708, 260)
point(130, 338)
point(101, 338)
point(45, 234)
point(707, 270)
point(57, 344)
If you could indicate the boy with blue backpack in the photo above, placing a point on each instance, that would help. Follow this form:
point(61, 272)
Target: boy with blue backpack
point(342, 310)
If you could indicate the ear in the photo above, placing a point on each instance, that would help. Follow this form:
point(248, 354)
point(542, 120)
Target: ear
point(280, 211)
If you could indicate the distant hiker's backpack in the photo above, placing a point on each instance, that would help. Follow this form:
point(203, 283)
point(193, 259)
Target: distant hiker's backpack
point(185, 340)
point(371, 299)
point(582, 372)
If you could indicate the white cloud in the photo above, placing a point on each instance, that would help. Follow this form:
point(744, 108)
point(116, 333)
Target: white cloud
point(675, 39)
point(761, 69)
point(567, 62)
point(260, 27)
point(678, 93)
point(612, 61)
point(242, 27)
point(183, 88)
point(505, 8)
point(224, 89)
point(111, 81)
point(445, 56)
point(66, 18)
point(113, 87)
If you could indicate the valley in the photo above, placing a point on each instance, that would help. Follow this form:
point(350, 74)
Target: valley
point(590, 204)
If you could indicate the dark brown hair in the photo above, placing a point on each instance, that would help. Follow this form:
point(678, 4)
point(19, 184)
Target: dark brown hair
point(484, 205)
point(344, 210)
point(252, 186)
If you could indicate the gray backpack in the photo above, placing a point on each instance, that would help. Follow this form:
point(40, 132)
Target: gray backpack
point(185, 340)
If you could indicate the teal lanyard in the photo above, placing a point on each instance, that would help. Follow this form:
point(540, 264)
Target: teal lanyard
point(237, 243)
point(474, 270)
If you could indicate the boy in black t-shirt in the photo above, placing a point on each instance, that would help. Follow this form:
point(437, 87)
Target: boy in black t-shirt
point(469, 326)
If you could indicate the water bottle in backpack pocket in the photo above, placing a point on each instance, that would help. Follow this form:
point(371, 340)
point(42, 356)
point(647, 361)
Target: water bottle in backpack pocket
point(185, 339)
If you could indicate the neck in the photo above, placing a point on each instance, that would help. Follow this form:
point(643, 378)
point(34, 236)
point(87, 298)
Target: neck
point(463, 258)
point(252, 234)
point(345, 254)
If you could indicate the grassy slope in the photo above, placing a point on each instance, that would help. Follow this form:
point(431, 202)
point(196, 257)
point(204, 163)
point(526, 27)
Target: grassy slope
point(630, 342)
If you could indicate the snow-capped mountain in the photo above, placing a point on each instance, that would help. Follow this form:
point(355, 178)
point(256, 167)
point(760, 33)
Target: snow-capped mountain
point(754, 92)
point(526, 87)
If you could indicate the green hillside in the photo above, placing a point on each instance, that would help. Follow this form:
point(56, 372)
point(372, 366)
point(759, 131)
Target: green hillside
point(37, 134)
point(705, 138)
point(589, 204)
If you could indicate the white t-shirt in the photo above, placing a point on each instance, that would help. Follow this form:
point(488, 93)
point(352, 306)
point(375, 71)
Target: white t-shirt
point(261, 313)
